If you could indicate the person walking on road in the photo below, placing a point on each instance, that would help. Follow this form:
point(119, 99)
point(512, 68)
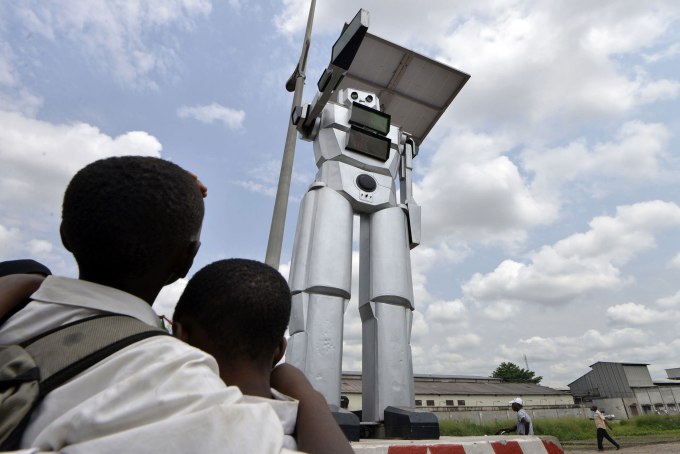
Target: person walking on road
point(602, 426)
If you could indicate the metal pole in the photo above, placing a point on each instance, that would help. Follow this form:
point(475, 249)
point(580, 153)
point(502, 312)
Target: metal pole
point(273, 257)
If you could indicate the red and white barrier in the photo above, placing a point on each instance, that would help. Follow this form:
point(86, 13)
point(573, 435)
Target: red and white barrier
point(462, 445)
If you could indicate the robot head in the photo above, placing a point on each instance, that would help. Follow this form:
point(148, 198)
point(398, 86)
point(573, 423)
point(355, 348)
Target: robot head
point(347, 96)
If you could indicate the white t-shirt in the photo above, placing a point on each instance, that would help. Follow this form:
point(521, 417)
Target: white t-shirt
point(522, 417)
point(599, 420)
point(157, 395)
point(286, 409)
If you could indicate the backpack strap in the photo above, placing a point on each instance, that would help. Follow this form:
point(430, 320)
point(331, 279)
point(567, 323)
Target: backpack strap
point(66, 351)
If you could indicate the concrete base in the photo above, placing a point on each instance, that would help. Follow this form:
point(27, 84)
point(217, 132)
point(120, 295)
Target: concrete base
point(462, 445)
point(348, 422)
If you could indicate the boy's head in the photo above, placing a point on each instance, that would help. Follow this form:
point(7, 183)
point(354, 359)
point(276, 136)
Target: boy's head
point(237, 309)
point(132, 217)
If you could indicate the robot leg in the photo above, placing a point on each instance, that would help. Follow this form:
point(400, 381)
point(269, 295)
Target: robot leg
point(386, 302)
point(320, 281)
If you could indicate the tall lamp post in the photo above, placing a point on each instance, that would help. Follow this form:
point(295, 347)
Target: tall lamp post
point(295, 84)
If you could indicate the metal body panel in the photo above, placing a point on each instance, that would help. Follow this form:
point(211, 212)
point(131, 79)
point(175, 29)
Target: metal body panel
point(390, 260)
point(343, 179)
point(317, 351)
point(322, 256)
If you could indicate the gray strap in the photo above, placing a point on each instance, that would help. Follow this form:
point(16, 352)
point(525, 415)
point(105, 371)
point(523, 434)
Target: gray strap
point(70, 345)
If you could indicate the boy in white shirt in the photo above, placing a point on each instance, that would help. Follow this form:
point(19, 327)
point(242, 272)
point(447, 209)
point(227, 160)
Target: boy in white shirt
point(238, 310)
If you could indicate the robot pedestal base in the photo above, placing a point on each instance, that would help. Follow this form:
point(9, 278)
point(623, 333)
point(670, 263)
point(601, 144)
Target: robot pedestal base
point(410, 424)
point(348, 422)
point(403, 422)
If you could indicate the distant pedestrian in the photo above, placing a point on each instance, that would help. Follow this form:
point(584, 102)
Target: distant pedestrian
point(602, 425)
point(524, 425)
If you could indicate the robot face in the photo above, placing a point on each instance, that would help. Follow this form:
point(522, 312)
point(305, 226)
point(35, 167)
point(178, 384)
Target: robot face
point(347, 96)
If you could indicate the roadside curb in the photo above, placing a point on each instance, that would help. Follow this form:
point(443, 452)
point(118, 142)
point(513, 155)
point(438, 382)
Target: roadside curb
point(462, 445)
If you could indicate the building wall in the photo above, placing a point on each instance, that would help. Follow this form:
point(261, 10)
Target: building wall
point(481, 400)
point(506, 414)
point(673, 373)
point(584, 385)
point(466, 401)
point(637, 376)
point(611, 380)
point(616, 406)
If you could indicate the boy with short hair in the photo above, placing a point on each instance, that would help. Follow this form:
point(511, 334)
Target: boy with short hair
point(133, 225)
point(238, 310)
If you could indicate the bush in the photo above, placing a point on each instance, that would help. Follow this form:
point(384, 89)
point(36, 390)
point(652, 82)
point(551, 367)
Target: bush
point(567, 429)
point(469, 428)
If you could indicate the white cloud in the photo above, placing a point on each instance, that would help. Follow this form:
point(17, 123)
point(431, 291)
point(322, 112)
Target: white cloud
point(9, 240)
point(446, 312)
point(636, 154)
point(8, 75)
point(583, 348)
point(637, 314)
point(264, 179)
point(675, 261)
point(116, 35)
point(464, 340)
point(663, 54)
point(254, 186)
point(670, 302)
point(500, 311)
point(471, 192)
point(39, 158)
point(231, 118)
point(579, 263)
point(167, 299)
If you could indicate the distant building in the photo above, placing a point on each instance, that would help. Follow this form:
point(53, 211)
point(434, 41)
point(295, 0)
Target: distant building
point(626, 390)
point(673, 374)
point(464, 397)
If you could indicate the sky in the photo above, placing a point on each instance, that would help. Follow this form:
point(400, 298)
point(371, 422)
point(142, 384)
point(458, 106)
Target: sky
point(549, 188)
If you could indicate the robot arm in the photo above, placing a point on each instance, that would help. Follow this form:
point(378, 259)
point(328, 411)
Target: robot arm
point(409, 150)
point(306, 118)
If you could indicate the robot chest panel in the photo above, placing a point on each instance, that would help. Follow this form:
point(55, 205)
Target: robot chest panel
point(366, 191)
point(331, 145)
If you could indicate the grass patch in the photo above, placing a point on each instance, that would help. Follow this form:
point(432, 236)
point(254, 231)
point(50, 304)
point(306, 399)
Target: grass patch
point(573, 429)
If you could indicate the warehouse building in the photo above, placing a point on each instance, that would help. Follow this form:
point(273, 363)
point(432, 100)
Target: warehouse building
point(474, 398)
point(627, 390)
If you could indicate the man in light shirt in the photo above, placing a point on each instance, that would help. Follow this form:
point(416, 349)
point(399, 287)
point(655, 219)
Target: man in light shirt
point(133, 225)
point(601, 424)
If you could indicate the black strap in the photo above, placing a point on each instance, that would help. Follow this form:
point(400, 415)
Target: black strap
point(66, 351)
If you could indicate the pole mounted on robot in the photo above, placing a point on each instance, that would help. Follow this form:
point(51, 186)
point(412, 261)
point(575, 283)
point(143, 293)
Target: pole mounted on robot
point(305, 118)
point(409, 151)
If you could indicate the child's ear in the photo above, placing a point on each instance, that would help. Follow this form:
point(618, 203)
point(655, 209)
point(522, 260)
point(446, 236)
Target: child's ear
point(180, 331)
point(279, 352)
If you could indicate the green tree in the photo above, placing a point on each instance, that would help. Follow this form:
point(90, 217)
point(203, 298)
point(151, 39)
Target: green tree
point(513, 373)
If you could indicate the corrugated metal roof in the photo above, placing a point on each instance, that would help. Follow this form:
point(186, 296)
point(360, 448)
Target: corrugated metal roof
point(623, 364)
point(353, 385)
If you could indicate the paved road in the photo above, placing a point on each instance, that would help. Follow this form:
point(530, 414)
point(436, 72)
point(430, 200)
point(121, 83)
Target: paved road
point(661, 448)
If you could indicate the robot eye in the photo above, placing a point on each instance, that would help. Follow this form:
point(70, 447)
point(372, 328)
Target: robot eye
point(354, 95)
point(369, 98)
